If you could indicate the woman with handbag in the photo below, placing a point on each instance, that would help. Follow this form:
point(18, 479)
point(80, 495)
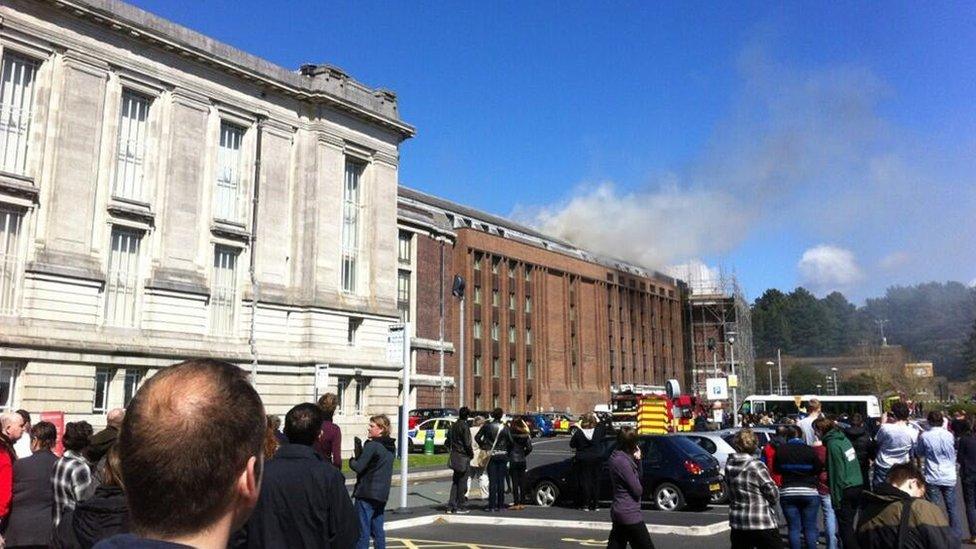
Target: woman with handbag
point(476, 468)
point(521, 448)
point(459, 443)
point(496, 439)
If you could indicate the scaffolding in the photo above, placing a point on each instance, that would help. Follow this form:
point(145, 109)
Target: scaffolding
point(720, 326)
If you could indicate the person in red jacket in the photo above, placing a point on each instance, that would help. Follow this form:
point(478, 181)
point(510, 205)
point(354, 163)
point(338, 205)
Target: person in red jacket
point(11, 429)
point(769, 453)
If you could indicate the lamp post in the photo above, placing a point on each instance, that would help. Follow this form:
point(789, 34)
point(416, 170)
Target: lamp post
point(457, 290)
point(769, 369)
point(735, 390)
point(818, 388)
point(833, 372)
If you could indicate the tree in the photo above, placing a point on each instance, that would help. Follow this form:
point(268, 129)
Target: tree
point(860, 384)
point(969, 351)
point(803, 378)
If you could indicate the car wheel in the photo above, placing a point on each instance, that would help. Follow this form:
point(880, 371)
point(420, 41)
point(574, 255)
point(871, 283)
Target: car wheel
point(545, 493)
point(668, 497)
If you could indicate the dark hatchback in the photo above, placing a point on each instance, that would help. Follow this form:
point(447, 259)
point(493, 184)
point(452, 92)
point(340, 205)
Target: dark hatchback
point(677, 473)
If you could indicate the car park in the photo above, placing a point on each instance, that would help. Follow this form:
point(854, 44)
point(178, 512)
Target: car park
point(436, 428)
point(676, 473)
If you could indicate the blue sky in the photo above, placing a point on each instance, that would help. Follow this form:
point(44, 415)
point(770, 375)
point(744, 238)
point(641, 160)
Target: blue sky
point(830, 145)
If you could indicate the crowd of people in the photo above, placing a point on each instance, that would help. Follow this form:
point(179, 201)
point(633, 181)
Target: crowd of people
point(816, 472)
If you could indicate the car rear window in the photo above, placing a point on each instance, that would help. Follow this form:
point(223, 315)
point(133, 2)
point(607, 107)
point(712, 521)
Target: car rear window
point(688, 446)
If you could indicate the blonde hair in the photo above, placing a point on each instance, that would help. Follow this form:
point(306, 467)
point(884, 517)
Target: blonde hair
point(383, 422)
point(745, 441)
point(813, 406)
point(588, 421)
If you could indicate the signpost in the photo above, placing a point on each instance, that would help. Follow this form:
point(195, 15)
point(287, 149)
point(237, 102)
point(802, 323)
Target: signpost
point(398, 352)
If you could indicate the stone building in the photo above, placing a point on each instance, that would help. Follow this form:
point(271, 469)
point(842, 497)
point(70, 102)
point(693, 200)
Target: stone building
point(547, 325)
point(165, 196)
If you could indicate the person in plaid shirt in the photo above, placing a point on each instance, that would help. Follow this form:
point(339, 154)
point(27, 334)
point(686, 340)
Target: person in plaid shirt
point(753, 497)
point(72, 477)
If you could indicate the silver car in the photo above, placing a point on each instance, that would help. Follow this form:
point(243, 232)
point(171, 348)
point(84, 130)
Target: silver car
point(719, 444)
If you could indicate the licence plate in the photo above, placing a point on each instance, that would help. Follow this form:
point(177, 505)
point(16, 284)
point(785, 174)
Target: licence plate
point(715, 487)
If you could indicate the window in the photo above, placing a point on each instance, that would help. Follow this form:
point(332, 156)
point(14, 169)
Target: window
point(477, 401)
point(102, 378)
point(350, 224)
point(477, 329)
point(528, 304)
point(403, 295)
point(529, 370)
point(494, 265)
point(511, 269)
point(361, 384)
point(495, 368)
point(512, 368)
point(528, 273)
point(494, 331)
point(494, 298)
point(130, 155)
point(513, 403)
point(477, 295)
point(228, 203)
point(11, 222)
point(477, 261)
point(16, 105)
point(404, 251)
point(477, 365)
point(223, 296)
point(528, 336)
point(132, 379)
point(123, 276)
point(511, 334)
point(8, 376)
point(342, 383)
point(511, 301)
point(494, 401)
point(353, 327)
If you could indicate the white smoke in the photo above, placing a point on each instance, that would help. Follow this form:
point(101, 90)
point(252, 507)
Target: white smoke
point(826, 268)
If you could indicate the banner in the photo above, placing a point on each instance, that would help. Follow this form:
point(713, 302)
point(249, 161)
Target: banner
point(57, 418)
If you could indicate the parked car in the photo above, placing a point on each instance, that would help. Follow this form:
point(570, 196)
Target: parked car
point(564, 423)
point(437, 427)
point(422, 414)
point(718, 444)
point(677, 473)
point(539, 426)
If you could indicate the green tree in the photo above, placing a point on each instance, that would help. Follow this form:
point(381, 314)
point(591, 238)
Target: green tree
point(803, 378)
point(860, 384)
point(770, 326)
point(969, 351)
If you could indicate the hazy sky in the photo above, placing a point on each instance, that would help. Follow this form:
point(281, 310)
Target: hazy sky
point(824, 144)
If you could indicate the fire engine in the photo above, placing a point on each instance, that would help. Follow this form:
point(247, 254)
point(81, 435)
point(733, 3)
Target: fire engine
point(652, 408)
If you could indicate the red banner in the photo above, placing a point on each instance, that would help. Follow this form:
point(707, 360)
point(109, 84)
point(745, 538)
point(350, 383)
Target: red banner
point(57, 418)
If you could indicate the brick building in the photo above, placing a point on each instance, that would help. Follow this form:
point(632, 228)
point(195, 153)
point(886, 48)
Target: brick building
point(547, 325)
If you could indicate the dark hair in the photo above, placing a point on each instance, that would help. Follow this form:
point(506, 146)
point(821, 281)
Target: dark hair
point(77, 436)
point(784, 431)
point(112, 473)
point(627, 439)
point(497, 414)
point(24, 414)
point(271, 438)
point(45, 433)
point(188, 434)
point(328, 403)
point(935, 418)
point(519, 427)
point(963, 428)
point(857, 419)
point(823, 425)
point(904, 472)
point(303, 423)
point(899, 410)
point(463, 413)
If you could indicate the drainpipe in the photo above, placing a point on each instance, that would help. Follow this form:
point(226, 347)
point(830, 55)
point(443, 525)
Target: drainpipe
point(252, 341)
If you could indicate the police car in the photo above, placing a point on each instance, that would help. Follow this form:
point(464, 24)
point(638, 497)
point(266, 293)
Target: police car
point(437, 428)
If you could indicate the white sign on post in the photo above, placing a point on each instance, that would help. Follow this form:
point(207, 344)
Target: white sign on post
point(394, 344)
point(321, 379)
point(717, 388)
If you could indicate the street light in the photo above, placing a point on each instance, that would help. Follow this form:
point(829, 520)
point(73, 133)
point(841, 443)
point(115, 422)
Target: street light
point(818, 388)
point(735, 390)
point(769, 370)
point(833, 372)
point(457, 290)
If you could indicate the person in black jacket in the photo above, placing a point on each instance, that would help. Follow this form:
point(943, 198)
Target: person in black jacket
point(373, 464)
point(863, 445)
point(587, 441)
point(966, 457)
point(496, 439)
point(799, 466)
point(103, 515)
point(32, 507)
point(303, 500)
point(521, 447)
point(460, 446)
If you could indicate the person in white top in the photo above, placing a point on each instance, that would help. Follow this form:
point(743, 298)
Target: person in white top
point(23, 445)
point(896, 443)
point(806, 424)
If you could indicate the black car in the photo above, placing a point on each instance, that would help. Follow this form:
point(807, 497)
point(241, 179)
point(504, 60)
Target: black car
point(677, 473)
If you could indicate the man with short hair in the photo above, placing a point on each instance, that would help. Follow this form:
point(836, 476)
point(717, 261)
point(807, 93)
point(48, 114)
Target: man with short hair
point(191, 448)
point(895, 442)
point(304, 502)
point(104, 439)
point(806, 424)
point(937, 449)
point(23, 446)
point(883, 523)
point(329, 443)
